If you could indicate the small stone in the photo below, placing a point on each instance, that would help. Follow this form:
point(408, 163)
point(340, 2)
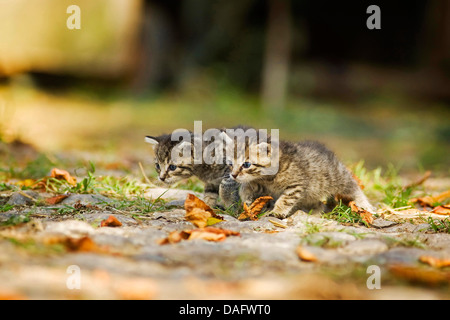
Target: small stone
point(422, 227)
point(70, 228)
point(23, 198)
point(381, 223)
point(86, 199)
point(175, 203)
point(400, 255)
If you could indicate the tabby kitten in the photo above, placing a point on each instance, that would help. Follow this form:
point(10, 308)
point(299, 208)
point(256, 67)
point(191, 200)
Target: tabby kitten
point(308, 173)
point(215, 176)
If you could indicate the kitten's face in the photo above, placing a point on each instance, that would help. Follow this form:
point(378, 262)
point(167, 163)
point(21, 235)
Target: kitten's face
point(169, 169)
point(250, 162)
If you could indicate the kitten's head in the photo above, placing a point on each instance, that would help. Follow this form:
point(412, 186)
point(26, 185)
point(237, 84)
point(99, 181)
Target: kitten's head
point(173, 159)
point(250, 157)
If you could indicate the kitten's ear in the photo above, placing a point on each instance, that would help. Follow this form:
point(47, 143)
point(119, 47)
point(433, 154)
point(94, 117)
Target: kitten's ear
point(152, 140)
point(225, 138)
point(182, 146)
point(264, 149)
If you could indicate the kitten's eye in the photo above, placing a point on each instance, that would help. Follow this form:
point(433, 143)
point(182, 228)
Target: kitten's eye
point(229, 162)
point(172, 167)
point(157, 167)
point(246, 165)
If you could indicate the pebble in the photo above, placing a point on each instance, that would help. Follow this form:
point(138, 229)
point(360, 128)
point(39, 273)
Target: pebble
point(381, 223)
point(85, 199)
point(19, 199)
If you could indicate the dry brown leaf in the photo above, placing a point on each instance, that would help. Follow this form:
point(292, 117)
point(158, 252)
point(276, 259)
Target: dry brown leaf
point(435, 262)
point(429, 277)
point(198, 212)
point(208, 233)
point(111, 222)
point(226, 232)
point(365, 215)
point(205, 235)
point(83, 244)
point(174, 237)
point(432, 200)
point(25, 183)
point(444, 210)
point(56, 199)
point(64, 175)
point(254, 209)
point(305, 254)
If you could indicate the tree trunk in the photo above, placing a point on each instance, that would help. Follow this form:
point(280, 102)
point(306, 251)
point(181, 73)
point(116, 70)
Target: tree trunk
point(277, 55)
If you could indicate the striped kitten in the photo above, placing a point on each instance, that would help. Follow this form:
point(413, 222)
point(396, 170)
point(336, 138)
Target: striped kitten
point(215, 176)
point(308, 173)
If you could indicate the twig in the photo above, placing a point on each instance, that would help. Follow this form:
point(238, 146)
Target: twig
point(27, 196)
point(418, 182)
point(145, 176)
point(277, 224)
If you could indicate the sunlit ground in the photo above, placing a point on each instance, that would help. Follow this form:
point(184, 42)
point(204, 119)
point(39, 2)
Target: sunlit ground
point(412, 135)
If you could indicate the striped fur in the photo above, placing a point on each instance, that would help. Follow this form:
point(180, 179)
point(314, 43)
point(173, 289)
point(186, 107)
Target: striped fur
point(308, 175)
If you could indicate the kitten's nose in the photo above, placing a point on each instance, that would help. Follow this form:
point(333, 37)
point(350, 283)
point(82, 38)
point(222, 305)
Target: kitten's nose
point(162, 179)
point(234, 175)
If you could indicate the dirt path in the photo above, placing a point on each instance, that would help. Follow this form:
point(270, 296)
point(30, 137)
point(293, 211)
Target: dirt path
point(66, 255)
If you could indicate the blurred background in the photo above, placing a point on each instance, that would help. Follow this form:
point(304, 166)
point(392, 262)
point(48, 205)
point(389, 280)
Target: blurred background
point(309, 68)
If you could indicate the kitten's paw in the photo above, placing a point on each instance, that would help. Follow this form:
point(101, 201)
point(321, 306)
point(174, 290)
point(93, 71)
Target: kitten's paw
point(277, 215)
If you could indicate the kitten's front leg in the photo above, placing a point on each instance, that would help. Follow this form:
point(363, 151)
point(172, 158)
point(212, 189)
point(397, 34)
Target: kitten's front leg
point(211, 194)
point(286, 202)
point(249, 192)
point(229, 194)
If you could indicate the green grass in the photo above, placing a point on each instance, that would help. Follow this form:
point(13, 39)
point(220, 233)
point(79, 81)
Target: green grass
point(405, 242)
point(33, 247)
point(439, 226)
point(343, 214)
point(6, 207)
point(16, 219)
point(323, 241)
point(386, 186)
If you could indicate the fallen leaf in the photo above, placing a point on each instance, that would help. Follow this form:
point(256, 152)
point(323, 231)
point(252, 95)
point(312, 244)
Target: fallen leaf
point(305, 254)
point(25, 183)
point(64, 175)
point(174, 237)
point(365, 215)
point(199, 213)
point(212, 221)
point(254, 209)
point(207, 233)
point(444, 210)
point(56, 199)
point(435, 262)
point(413, 274)
point(111, 222)
point(83, 244)
point(432, 200)
point(226, 232)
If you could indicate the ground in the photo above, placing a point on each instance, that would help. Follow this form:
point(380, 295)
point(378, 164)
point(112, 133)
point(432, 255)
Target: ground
point(306, 256)
point(44, 246)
